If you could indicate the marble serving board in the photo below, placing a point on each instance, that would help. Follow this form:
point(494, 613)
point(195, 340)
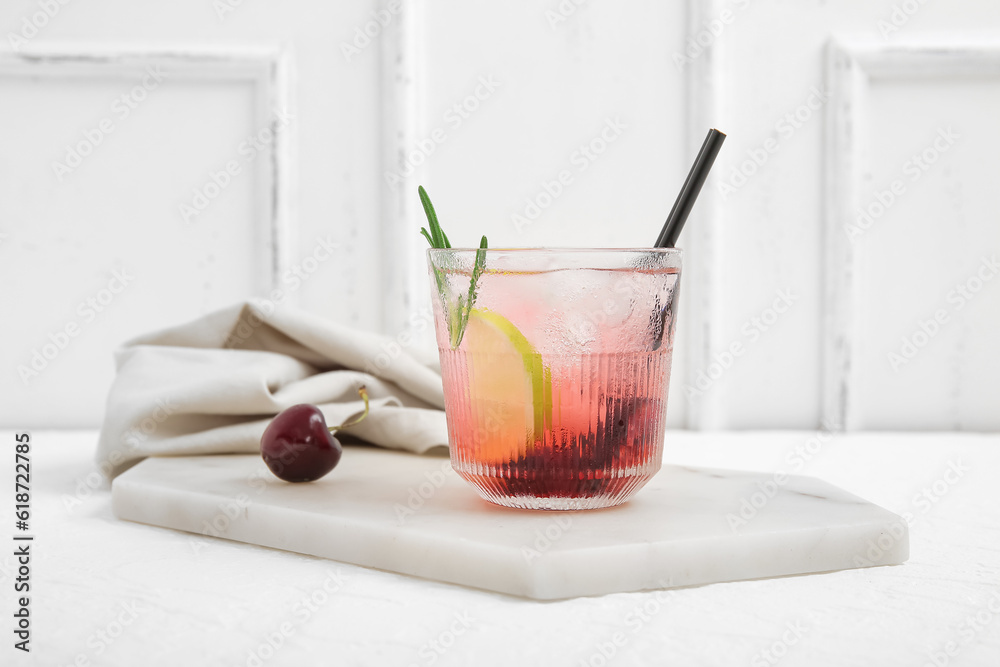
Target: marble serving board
point(413, 515)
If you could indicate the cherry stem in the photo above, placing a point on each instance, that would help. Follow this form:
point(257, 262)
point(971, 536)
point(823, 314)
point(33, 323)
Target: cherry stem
point(363, 393)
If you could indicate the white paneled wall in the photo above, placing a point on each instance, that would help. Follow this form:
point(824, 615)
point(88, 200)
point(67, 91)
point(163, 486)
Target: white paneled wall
point(781, 222)
point(121, 214)
point(787, 318)
point(913, 236)
point(231, 76)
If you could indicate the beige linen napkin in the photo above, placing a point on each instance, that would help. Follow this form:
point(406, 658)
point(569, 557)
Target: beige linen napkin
point(212, 385)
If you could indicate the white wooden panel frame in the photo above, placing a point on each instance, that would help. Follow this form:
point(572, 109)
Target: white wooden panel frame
point(851, 66)
point(404, 274)
point(702, 265)
point(268, 69)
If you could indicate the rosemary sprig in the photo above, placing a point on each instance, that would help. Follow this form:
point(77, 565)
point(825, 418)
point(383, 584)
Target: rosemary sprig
point(477, 270)
point(458, 313)
point(436, 237)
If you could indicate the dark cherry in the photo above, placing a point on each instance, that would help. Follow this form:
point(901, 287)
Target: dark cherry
point(297, 445)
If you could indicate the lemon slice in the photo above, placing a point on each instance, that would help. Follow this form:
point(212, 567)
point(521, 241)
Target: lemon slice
point(509, 378)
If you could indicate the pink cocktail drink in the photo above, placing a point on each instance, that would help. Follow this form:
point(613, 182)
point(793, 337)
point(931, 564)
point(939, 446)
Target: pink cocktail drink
point(556, 393)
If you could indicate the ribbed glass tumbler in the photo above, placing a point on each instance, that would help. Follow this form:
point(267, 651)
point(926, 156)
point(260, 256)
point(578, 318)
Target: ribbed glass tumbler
point(555, 365)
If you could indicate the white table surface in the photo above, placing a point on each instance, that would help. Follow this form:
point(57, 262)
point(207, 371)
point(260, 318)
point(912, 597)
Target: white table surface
point(107, 592)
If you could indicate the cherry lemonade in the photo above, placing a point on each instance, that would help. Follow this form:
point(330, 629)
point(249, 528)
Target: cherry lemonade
point(556, 395)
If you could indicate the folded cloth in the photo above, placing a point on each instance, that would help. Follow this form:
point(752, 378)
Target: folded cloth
point(212, 385)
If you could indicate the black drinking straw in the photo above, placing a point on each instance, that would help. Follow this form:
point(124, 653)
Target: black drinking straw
point(689, 192)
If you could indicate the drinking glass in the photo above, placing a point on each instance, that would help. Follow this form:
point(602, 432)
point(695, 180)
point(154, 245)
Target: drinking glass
point(555, 365)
